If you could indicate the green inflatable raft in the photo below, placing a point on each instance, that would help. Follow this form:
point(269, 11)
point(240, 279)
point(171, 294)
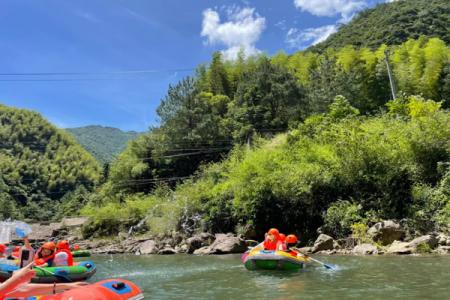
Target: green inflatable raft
point(82, 271)
point(272, 260)
point(81, 253)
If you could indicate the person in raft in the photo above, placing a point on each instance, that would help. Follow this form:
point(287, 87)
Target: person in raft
point(270, 242)
point(3, 249)
point(281, 244)
point(291, 242)
point(63, 256)
point(26, 246)
point(45, 255)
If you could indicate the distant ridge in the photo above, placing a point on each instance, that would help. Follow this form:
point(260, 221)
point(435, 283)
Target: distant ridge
point(104, 143)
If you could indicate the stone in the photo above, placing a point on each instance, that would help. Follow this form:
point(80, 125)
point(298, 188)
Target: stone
point(323, 242)
point(227, 243)
point(167, 251)
point(398, 247)
point(442, 239)
point(365, 249)
point(386, 232)
point(224, 244)
point(203, 251)
point(336, 245)
point(148, 247)
point(428, 239)
point(194, 243)
point(443, 250)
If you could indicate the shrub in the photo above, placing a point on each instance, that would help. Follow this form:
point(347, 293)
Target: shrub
point(340, 217)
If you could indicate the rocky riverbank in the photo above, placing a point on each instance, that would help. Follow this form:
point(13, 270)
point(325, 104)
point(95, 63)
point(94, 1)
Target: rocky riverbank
point(387, 237)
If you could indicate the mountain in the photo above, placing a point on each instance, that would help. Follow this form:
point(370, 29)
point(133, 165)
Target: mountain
point(40, 165)
point(392, 24)
point(104, 143)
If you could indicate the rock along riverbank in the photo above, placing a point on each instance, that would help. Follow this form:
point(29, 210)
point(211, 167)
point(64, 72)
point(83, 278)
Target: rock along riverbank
point(386, 237)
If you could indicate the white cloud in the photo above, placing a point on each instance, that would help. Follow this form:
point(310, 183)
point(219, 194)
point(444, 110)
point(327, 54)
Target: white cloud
point(311, 36)
point(322, 8)
point(241, 30)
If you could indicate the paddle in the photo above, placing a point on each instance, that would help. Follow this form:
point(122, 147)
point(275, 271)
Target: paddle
point(313, 259)
point(61, 277)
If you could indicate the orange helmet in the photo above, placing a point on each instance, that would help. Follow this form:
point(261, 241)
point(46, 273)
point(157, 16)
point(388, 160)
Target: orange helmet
point(63, 245)
point(291, 239)
point(49, 246)
point(274, 231)
point(282, 237)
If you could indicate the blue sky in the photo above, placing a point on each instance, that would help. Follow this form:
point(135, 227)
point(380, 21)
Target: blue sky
point(105, 39)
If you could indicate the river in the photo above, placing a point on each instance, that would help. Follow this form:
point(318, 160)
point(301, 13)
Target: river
point(224, 277)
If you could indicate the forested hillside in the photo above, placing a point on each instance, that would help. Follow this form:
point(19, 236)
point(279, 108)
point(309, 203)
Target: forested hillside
point(44, 172)
point(393, 24)
point(379, 164)
point(104, 143)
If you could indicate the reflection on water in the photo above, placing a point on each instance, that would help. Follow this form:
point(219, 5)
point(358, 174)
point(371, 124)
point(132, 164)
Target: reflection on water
point(224, 277)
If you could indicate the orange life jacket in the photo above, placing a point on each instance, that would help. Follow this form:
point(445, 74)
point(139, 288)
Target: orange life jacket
point(269, 245)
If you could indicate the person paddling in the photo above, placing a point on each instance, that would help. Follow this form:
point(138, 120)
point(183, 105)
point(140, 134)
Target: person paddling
point(45, 255)
point(291, 243)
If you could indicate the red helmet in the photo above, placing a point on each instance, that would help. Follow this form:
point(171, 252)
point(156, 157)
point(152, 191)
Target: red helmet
point(63, 245)
point(282, 237)
point(291, 239)
point(49, 246)
point(2, 248)
point(76, 247)
point(274, 231)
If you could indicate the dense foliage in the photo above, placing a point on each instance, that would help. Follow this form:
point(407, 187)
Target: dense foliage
point(41, 166)
point(393, 24)
point(337, 169)
point(104, 143)
point(231, 102)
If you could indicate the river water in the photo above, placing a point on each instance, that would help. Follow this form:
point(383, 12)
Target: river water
point(224, 277)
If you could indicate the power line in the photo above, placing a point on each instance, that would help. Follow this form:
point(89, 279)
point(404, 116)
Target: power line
point(123, 72)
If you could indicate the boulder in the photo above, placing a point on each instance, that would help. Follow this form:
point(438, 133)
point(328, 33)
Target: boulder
point(398, 247)
point(148, 247)
point(428, 239)
point(227, 243)
point(386, 232)
point(323, 242)
point(167, 251)
point(365, 249)
point(203, 251)
point(224, 244)
point(442, 239)
point(443, 250)
point(412, 246)
point(198, 241)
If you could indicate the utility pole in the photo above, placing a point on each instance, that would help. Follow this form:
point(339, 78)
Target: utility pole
point(391, 79)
